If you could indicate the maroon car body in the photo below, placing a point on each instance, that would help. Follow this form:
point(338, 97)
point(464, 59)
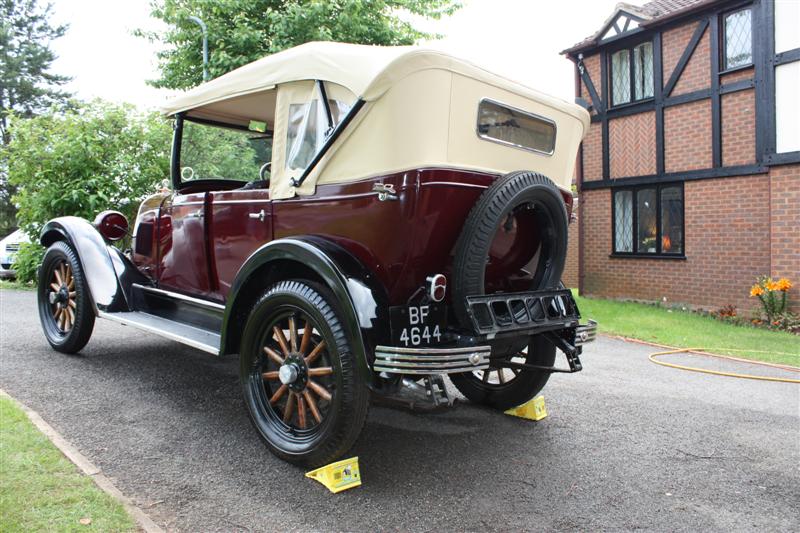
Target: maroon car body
point(339, 249)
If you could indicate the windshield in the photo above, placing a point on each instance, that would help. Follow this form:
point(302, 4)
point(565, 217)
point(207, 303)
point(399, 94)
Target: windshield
point(214, 152)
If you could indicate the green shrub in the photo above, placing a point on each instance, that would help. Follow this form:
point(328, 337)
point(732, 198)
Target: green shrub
point(84, 160)
point(27, 261)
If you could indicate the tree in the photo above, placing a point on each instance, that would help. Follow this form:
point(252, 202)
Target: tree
point(241, 31)
point(26, 84)
point(83, 161)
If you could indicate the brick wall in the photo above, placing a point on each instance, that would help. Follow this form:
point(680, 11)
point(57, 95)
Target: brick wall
point(687, 136)
point(632, 145)
point(738, 128)
point(673, 43)
point(570, 276)
point(697, 73)
point(744, 74)
point(733, 235)
point(593, 153)
point(785, 227)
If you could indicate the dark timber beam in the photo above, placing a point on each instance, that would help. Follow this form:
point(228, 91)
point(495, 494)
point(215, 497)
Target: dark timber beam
point(687, 54)
point(596, 101)
point(716, 110)
point(658, 83)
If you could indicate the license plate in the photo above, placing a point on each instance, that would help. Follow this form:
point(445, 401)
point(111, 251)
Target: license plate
point(417, 325)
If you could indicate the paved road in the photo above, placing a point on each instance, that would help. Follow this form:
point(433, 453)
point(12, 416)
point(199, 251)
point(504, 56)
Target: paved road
point(627, 445)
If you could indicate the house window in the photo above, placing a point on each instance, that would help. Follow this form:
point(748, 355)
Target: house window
point(787, 76)
point(738, 44)
point(648, 220)
point(632, 74)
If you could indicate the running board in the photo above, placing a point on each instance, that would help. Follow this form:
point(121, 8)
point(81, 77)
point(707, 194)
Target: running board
point(199, 338)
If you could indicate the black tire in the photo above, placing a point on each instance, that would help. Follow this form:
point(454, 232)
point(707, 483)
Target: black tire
point(490, 211)
point(516, 391)
point(67, 323)
point(342, 416)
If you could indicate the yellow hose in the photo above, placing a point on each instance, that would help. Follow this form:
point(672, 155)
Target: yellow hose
point(702, 351)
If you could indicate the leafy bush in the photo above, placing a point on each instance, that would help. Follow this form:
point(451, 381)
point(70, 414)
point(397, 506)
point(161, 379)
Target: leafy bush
point(27, 261)
point(81, 161)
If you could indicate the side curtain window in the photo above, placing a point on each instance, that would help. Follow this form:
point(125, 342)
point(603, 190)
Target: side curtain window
point(308, 127)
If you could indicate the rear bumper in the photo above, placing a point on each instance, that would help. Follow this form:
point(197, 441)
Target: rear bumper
point(586, 333)
point(423, 361)
point(497, 318)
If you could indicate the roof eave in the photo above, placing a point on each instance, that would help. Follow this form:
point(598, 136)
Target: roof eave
point(593, 42)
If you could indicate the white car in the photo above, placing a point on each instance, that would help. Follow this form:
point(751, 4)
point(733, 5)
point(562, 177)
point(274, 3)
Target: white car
point(9, 247)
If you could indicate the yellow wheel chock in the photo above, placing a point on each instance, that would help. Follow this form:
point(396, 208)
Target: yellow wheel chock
point(338, 476)
point(532, 409)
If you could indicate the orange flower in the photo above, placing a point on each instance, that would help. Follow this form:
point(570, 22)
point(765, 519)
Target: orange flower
point(772, 285)
point(756, 290)
point(784, 284)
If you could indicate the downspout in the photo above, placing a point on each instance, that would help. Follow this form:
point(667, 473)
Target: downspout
point(579, 184)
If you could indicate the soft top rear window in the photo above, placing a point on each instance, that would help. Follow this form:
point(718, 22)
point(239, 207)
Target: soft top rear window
point(510, 126)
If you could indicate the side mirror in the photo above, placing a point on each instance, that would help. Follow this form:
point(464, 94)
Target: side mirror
point(112, 225)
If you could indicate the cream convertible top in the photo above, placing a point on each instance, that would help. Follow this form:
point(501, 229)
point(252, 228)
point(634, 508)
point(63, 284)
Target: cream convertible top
point(421, 109)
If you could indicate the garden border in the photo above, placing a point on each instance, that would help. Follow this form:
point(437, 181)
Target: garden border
point(86, 466)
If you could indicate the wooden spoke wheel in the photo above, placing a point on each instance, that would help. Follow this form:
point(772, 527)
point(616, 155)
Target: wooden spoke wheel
point(504, 388)
point(501, 376)
point(62, 296)
point(65, 309)
point(297, 372)
point(299, 377)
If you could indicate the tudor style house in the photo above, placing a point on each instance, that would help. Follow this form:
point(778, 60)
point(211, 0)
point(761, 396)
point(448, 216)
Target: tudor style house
point(689, 179)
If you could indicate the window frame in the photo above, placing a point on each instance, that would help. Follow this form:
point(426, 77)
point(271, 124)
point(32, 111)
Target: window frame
point(528, 114)
point(631, 74)
point(659, 254)
point(723, 44)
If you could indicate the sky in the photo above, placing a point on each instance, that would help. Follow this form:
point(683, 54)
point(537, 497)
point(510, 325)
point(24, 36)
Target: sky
point(520, 39)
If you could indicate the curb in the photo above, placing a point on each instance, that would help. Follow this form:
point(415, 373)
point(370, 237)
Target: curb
point(87, 467)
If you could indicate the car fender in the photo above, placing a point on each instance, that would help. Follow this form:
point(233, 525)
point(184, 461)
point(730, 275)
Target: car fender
point(109, 274)
point(359, 296)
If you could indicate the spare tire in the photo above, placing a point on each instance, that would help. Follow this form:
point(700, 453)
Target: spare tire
point(514, 240)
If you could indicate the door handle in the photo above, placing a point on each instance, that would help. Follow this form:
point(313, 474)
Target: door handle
point(385, 191)
point(260, 215)
point(196, 214)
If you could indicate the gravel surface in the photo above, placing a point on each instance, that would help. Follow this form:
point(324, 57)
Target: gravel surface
point(627, 445)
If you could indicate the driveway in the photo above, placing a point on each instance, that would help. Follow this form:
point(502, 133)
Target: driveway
point(627, 445)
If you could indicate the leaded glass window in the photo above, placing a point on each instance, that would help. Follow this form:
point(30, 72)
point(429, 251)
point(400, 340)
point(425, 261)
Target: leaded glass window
point(648, 220)
point(623, 221)
point(620, 77)
point(672, 220)
point(632, 74)
point(643, 70)
point(738, 39)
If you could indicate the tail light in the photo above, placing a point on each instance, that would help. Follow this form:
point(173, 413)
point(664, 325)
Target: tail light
point(112, 225)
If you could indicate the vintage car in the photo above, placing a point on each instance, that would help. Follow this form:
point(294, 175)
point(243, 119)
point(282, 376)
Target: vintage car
point(351, 221)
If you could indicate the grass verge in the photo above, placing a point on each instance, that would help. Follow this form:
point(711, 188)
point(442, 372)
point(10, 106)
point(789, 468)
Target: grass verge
point(683, 329)
point(16, 285)
point(40, 490)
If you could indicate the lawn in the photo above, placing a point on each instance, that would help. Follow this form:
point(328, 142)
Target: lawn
point(40, 490)
point(684, 329)
point(16, 285)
